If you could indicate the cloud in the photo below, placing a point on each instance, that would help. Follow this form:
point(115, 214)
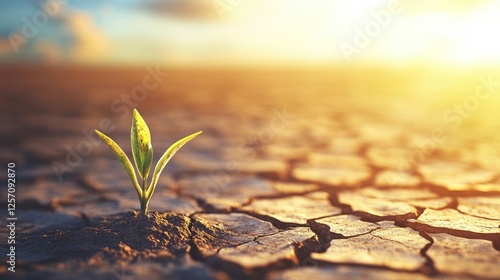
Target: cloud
point(67, 34)
point(5, 47)
point(89, 43)
point(188, 9)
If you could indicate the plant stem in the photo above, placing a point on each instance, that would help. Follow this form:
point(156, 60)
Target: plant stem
point(144, 207)
point(144, 200)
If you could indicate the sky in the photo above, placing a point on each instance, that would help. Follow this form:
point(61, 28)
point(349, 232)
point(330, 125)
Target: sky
point(250, 32)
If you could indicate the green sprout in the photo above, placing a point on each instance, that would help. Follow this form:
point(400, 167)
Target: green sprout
point(142, 151)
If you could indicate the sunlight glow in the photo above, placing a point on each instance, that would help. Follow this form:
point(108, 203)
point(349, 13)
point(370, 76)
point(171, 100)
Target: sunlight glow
point(265, 32)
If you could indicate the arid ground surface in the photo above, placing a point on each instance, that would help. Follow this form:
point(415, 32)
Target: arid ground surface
point(314, 175)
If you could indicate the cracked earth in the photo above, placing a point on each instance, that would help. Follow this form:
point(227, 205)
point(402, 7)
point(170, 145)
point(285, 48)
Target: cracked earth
point(286, 182)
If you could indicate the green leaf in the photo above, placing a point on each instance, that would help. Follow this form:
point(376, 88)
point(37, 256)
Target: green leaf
point(123, 159)
point(164, 160)
point(142, 150)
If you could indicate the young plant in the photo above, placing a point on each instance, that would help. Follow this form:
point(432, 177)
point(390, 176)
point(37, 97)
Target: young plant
point(142, 152)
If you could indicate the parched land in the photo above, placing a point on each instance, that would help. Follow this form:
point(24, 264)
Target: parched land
point(340, 174)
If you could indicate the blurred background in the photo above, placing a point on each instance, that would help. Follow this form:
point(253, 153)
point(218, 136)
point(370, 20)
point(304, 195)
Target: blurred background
point(257, 33)
point(291, 95)
point(66, 64)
